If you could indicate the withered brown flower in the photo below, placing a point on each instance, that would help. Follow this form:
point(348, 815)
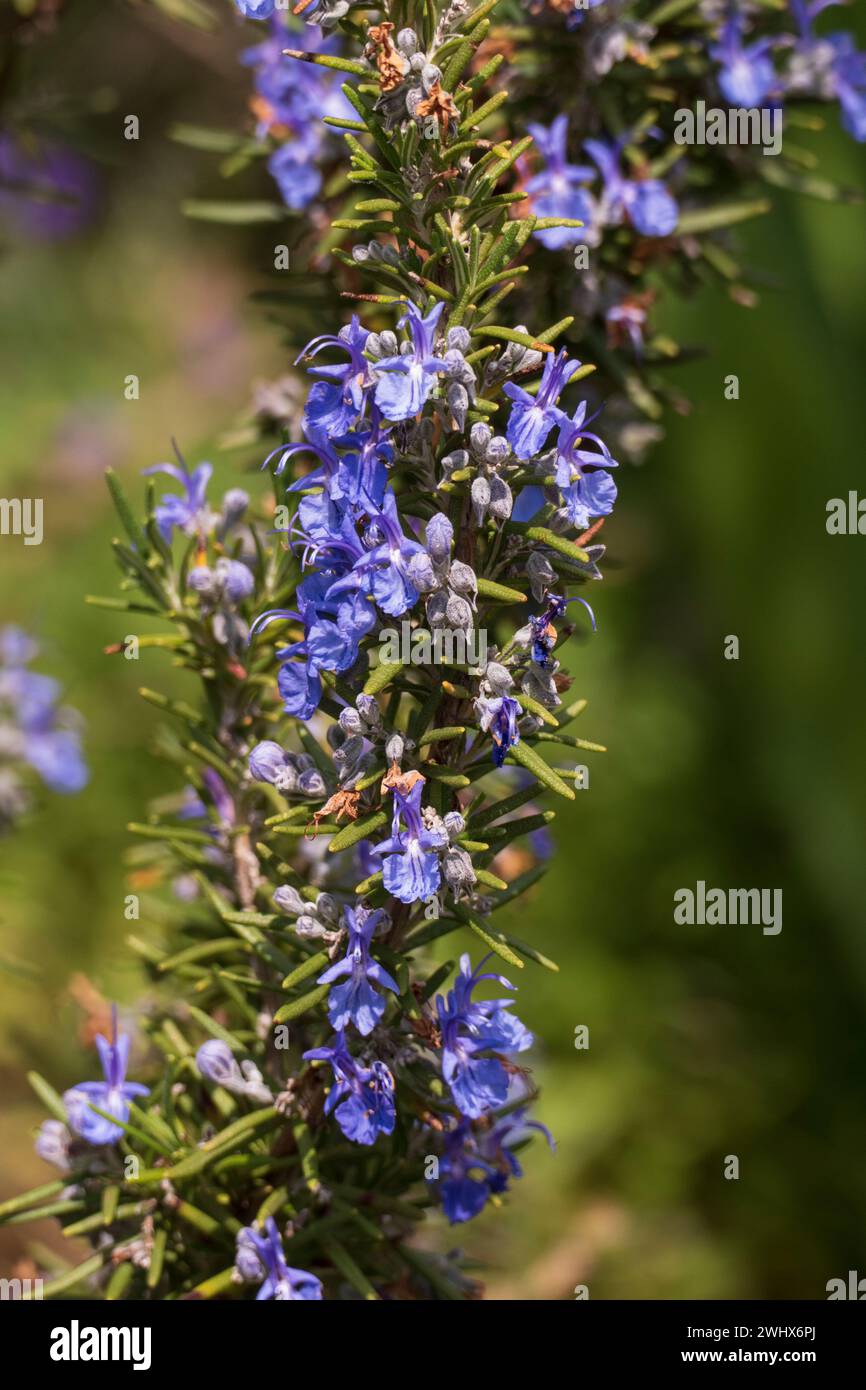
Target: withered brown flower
point(439, 104)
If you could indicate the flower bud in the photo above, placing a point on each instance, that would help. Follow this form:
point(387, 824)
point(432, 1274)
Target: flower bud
point(269, 763)
point(287, 899)
point(368, 708)
point(458, 403)
point(311, 783)
point(437, 605)
point(430, 75)
point(440, 535)
point(421, 572)
point(235, 503)
point(457, 870)
point(395, 748)
point(351, 721)
point(541, 574)
point(462, 580)
point(541, 686)
point(458, 613)
point(480, 436)
point(350, 755)
point(309, 927)
point(52, 1143)
point(248, 1266)
point(501, 500)
point(480, 499)
point(498, 678)
point(497, 450)
point(254, 1087)
point(235, 579)
point(328, 908)
point(459, 458)
point(202, 580)
point(216, 1063)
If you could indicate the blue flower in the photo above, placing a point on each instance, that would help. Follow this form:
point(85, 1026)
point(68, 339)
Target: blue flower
point(357, 476)
point(831, 64)
point(290, 92)
point(297, 177)
point(580, 11)
point(476, 1165)
point(189, 513)
point(533, 417)
point(268, 762)
point(112, 1095)
point(849, 79)
point(411, 869)
point(56, 755)
point(498, 717)
point(357, 1001)
point(336, 402)
point(464, 1177)
point(256, 9)
point(478, 1083)
point(228, 581)
point(557, 190)
point(17, 647)
point(543, 631)
point(260, 1256)
point(652, 210)
point(584, 494)
point(34, 734)
point(747, 75)
point(405, 381)
point(361, 1097)
point(385, 567)
point(646, 202)
point(333, 626)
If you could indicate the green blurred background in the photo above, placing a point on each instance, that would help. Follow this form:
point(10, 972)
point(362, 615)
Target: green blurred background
point(704, 1041)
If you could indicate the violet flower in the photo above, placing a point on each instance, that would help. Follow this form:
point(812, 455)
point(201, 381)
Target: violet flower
point(533, 417)
point(405, 381)
point(470, 1031)
point(112, 1095)
point(362, 1098)
point(357, 1001)
point(411, 871)
point(260, 1256)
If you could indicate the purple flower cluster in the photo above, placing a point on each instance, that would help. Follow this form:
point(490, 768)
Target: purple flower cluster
point(753, 69)
point(561, 189)
point(829, 67)
point(362, 1093)
point(351, 531)
point(290, 101)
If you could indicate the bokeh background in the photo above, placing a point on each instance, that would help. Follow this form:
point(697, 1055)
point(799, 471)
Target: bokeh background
point(704, 1041)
